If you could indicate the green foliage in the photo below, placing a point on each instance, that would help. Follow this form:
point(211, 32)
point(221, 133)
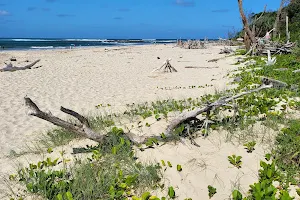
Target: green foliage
point(235, 161)
point(211, 191)
point(57, 137)
point(110, 173)
point(42, 179)
point(264, 188)
point(287, 148)
point(240, 52)
point(250, 146)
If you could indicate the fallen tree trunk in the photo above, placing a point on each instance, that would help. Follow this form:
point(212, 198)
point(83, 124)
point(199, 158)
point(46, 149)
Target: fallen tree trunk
point(10, 68)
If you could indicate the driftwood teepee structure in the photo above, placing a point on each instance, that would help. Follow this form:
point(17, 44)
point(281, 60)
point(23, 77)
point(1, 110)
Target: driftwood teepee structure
point(167, 67)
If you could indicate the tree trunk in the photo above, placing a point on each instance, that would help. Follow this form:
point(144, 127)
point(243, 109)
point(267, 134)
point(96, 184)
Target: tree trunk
point(246, 24)
point(247, 41)
point(278, 18)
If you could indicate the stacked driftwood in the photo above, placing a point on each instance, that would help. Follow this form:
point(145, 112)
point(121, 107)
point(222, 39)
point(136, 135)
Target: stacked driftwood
point(276, 48)
point(167, 67)
point(226, 50)
point(191, 44)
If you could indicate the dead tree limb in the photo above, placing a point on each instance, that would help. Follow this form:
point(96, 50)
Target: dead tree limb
point(266, 84)
point(10, 68)
point(82, 129)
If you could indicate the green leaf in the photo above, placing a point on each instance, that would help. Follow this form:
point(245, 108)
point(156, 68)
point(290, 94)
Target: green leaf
point(59, 197)
point(211, 191)
point(268, 157)
point(114, 150)
point(154, 198)
point(169, 164)
point(171, 192)
point(163, 163)
point(179, 168)
point(69, 195)
point(163, 136)
point(269, 173)
point(123, 185)
point(236, 195)
point(49, 150)
point(146, 196)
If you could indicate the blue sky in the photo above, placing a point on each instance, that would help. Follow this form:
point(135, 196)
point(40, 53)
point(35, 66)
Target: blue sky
point(123, 18)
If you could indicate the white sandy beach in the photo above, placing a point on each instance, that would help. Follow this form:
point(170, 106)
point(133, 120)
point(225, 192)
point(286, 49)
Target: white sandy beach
point(80, 79)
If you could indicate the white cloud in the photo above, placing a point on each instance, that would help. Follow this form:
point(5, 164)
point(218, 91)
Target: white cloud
point(3, 13)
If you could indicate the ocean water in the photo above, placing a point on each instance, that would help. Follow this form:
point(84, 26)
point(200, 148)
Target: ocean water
point(46, 43)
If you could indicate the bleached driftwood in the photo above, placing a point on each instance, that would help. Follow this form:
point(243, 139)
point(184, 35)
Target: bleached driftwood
point(266, 84)
point(167, 67)
point(195, 67)
point(191, 44)
point(296, 71)
point(83, 129)
point(10, 68)
point(226, 51)
point(270, 61)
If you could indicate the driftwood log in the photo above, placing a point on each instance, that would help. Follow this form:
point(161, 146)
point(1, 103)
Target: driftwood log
point(83, 129)
point(10, 68)
point(266, 84)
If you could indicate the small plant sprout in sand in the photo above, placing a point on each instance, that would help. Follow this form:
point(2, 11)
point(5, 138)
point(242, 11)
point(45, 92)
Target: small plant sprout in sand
point(171, 193)
point(270, 61)
point(250, 146)
point(211, 191)
point(235, 161)
point(237, 195)
point(179, 168)
point(268, 157)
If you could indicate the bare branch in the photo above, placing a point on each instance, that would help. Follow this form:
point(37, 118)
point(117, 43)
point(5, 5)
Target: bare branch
point(221, 102)
point(82, 130)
